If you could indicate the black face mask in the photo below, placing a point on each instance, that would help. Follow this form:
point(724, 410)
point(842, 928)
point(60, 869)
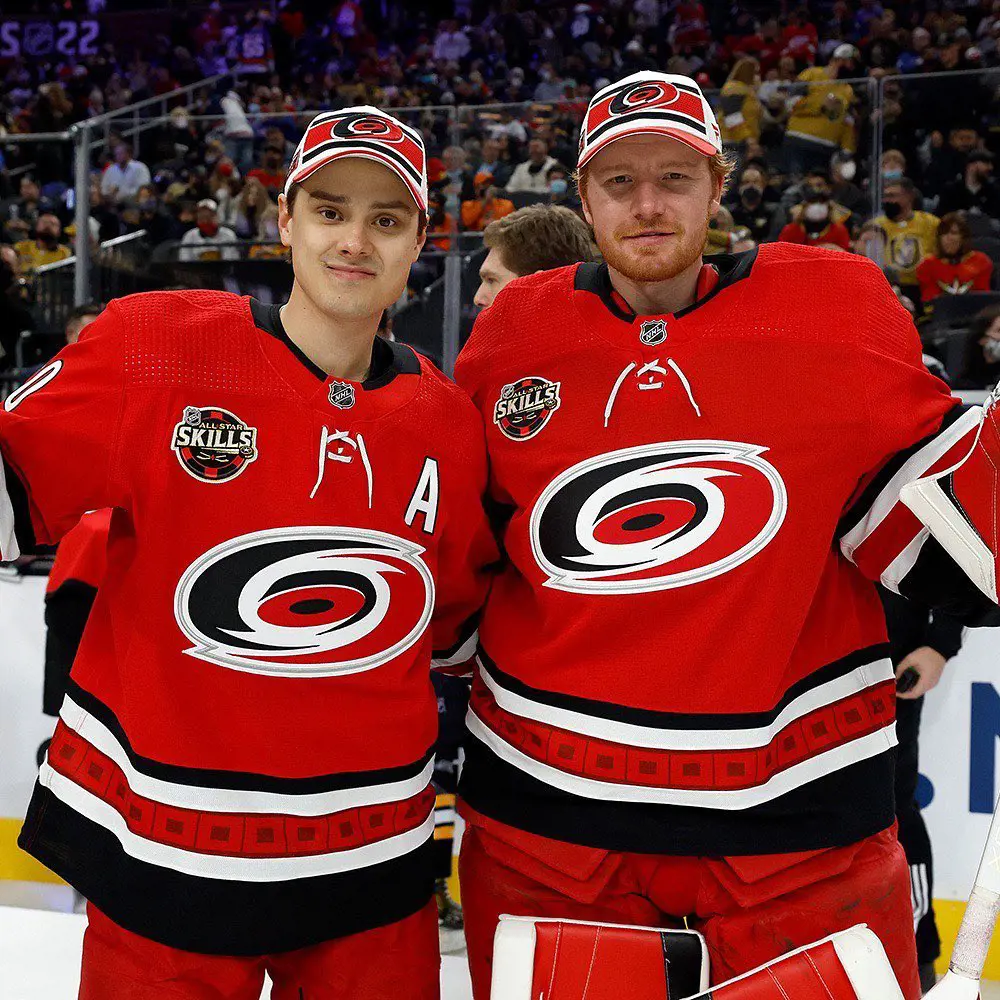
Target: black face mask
point(892, 210)
point(752, 196)
point(47, 240)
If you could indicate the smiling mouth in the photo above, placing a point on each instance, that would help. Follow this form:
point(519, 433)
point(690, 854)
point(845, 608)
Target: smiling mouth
point(350, 272)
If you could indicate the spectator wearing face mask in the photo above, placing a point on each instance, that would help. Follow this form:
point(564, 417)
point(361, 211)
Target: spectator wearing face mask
point(821, 121)
point(844, 190)
point(975, 190)
point(46, 247)
point(560, 189)
point(909, 235)
point(813, 222)
point(532, 176)
point(270, 173)
point(753, 209)
point(207, 241)
point(486, 207)
point(954, 268)
point(948, 158)
point(981, 364)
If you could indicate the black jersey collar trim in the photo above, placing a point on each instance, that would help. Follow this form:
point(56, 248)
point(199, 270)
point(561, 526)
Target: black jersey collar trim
point(594, 277)
point(389, 358)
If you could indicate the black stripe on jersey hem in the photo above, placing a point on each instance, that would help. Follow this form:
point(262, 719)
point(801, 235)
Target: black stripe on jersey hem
point(594, 277)
point(685, 720)
point(244, 781)
point(643, 114)
point(836, 810)
point(389, 358)
point(936, 581)
point(857, 511)
point(465, 632)
point(220, 916)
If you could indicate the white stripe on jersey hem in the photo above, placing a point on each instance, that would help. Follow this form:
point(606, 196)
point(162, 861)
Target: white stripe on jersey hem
point(728, 799)
point(912, 469)
point(463, 653)
point(896, 571)
point(859, 679)
point(444, 817)
point(231, 800)
point(232, 869)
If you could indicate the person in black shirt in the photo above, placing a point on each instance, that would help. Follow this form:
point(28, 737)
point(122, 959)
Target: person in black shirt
point(975, 190)
point(920, 644)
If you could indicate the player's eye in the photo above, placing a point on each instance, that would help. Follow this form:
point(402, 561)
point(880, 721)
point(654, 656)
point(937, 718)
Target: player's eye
point(619, 180)
point(675, 175)
point(328, 212)
point(386, 222)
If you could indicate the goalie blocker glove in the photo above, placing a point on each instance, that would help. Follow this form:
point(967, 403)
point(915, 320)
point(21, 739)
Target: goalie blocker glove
point(959, 507)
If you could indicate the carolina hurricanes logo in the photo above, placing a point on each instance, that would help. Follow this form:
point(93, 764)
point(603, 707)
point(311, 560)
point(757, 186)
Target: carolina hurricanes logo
point(642, 95)
point(305, 602)
point(656, 517)
point(365, 126)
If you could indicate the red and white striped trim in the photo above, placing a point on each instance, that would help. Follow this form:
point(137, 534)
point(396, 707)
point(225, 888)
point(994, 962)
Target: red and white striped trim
point(841, 722)
point(935, 456)
point(232, 834)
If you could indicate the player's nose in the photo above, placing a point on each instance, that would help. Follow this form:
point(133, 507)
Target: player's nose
point(482, 299)
point(354, 240)
point(648, 200)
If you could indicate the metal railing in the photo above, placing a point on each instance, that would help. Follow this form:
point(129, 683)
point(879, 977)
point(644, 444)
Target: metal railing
point(444, 300)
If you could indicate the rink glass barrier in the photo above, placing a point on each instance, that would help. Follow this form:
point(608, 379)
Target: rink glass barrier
point(436, 314)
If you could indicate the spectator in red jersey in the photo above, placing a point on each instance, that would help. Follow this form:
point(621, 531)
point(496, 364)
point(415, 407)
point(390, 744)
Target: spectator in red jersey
point(955, 268)
point(800, 37)
point(814, 225)
point(270, 173)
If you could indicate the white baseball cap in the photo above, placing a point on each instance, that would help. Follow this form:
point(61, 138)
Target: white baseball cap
point(366, 132)
point(650, 102)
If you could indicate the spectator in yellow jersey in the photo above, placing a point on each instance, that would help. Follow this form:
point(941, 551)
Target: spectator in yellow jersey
point(821, 122)
point(46, 247)
point(739, 109)
point(910, 236)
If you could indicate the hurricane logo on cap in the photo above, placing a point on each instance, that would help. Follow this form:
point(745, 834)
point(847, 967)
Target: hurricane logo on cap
point(367, 126)
point(643, 95)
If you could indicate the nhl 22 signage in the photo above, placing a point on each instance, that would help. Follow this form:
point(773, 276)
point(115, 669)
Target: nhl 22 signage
point(526, 406)
point(657, 516)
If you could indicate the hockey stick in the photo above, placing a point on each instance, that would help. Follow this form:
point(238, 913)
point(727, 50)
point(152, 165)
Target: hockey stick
point(961, 982)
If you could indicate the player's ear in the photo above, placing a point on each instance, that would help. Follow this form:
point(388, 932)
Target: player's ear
point(284, 221)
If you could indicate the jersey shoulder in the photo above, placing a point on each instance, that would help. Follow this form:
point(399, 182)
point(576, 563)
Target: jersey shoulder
point(514, 322)
point(828, 295)
point(445, 409)
point(192, 337)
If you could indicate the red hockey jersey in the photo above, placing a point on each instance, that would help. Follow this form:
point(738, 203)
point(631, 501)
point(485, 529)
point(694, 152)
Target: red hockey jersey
point(683, 653)
point(243, 763)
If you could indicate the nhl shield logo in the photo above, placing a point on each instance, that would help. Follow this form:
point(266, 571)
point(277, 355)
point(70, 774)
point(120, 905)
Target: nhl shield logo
point(341, 395)
point(653, 332)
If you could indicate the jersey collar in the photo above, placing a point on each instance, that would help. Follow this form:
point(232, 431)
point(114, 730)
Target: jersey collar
point(383, 390)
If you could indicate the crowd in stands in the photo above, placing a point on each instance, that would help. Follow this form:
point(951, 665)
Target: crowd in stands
point(793, 92)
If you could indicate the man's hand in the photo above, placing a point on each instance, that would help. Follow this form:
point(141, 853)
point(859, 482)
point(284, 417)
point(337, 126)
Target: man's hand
point(928, 664)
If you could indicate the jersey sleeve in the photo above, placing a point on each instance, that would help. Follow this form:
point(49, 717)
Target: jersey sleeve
point(467, 553)
point(915, 429)
point(58, 435)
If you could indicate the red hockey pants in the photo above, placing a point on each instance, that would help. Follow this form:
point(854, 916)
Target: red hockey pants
point(750, 909)
point(387, 963)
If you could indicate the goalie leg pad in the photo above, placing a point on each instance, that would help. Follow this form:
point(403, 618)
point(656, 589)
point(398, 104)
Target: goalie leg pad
point(851, 965)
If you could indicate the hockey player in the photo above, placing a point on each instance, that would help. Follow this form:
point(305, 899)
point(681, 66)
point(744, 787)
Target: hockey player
point(684, 700)
point(240, 778)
